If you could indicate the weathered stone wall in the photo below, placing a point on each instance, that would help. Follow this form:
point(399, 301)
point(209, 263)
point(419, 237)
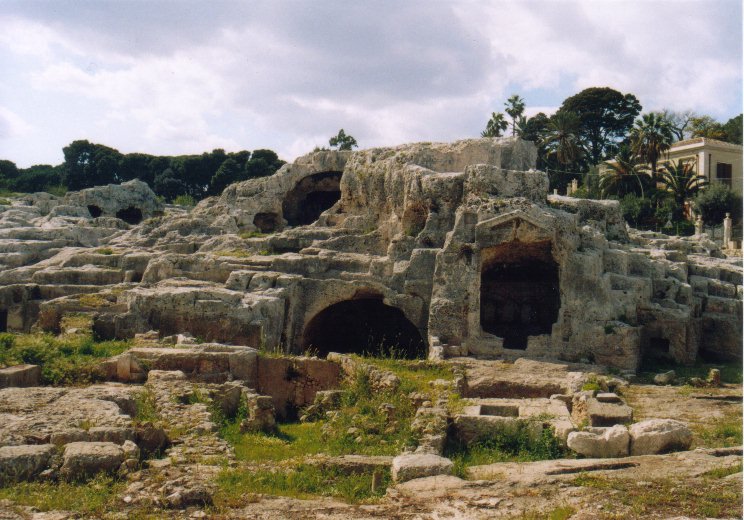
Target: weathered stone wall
point(415, 227)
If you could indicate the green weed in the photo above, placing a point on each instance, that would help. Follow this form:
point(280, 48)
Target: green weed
point(522, 445)
point(301, 481)
point(95, 497)
point(64, 360)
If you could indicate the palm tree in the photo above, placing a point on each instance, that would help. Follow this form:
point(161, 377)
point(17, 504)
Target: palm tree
point(495, 125)
point(624, 174)
point(681, 181)
point(562, 138)
point(650, 138)
point(515, 108)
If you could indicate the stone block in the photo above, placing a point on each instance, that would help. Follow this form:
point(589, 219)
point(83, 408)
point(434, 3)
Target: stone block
point(418, 465)
point(244, 366)
point(21, 463)
point(20, 376)
point(659, 436)
point(601, 442)
point(82, 460)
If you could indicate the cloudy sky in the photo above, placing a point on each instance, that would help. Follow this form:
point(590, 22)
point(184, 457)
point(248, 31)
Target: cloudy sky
point(174, 77)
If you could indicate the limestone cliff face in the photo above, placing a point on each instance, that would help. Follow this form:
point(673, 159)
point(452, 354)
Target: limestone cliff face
point(451, 249)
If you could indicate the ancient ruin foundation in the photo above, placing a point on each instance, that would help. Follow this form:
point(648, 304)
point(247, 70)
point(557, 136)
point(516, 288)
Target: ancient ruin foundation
point(431, 249)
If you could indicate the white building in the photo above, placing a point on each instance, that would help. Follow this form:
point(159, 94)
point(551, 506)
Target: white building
point(717, 161)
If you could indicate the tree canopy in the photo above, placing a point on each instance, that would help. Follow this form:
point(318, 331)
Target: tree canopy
point(341, 141)
point(495, 125)
point(515, 108)
point(89, 164)
point(605, 117)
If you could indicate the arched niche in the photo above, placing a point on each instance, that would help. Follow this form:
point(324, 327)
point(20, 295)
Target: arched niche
point(364, 326)
point(519, 291)
point(310, 197)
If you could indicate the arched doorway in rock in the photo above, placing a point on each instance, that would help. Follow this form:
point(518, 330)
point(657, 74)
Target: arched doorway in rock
point(364, 326)
point(519, 291)
point(130, 215)
point(310, 197)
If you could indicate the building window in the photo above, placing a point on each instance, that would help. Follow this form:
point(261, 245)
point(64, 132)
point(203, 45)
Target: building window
point(723, 173)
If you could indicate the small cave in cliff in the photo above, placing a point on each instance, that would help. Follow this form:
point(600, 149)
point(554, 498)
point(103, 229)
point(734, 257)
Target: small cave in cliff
point(3, 320)
point(364, 326)
point(94, 211)
point(519, 294)
point(130, 215)
point(310, 197)
point(266, 222)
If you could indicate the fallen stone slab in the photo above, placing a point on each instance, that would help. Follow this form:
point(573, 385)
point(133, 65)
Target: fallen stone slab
point(21, 463)
point(20, 376)
point(82, 460)
point(411, 466)
point(659, 436)
point(601, 443)
point(355, 464)
point(665, 378)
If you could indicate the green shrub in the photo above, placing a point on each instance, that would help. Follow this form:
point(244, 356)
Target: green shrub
point(185, 200)
point(518, 446)
point(64, 360)
point(637, 211)
point(715, 201)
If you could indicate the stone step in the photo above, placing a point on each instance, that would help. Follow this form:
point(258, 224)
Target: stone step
point(87, 275)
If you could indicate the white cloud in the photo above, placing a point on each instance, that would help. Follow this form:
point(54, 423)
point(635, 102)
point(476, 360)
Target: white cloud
point(188, 77)
point(12, 125)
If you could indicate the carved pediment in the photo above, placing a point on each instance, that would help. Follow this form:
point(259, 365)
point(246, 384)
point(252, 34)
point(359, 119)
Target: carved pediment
point(513, 226)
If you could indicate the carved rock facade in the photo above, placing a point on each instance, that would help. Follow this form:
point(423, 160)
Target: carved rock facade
point(431, 249)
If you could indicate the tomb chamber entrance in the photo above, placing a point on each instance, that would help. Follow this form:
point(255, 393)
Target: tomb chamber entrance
point(519, 291)
point(364, 326)
point(310, 197)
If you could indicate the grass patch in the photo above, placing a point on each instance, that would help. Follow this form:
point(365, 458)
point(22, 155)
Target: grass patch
point(105, 251)
point(146, 406)
point(723, 472)
point(731, 373)
point(92, 300)
point(65, 360)
point(289, 441)
point(414, 375)
point(302, 481)
point(95, 497)
point(558, 513)
point(363, 424)
point(720, 433)
point(668, 497)
point(4, 202)
point(77, 320)
point(522, 445)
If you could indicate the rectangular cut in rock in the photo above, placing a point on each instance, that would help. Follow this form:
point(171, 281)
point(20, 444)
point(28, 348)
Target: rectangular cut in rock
point(608, 414)
point(20, 376)
point(499, 410)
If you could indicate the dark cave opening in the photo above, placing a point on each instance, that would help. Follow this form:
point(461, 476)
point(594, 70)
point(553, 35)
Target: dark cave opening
point(94, 211)
point(364, 326)
point(3, 320)
point(310, 197)
point(130, 215)
point(266, 222)
point(519, 293)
